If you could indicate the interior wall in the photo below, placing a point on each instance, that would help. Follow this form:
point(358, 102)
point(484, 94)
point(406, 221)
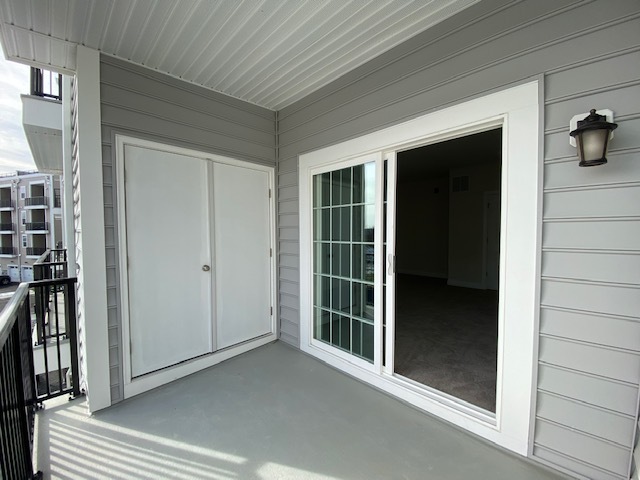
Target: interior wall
point(466, 224)
point(143, 103)
point(422, 227)
point(588, 55)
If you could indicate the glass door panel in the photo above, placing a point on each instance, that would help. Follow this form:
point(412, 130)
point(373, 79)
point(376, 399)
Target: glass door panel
point(343, 258)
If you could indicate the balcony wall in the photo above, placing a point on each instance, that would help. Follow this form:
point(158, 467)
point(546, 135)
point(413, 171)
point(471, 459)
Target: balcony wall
point(143, 103)
point(42, 123)
point(586, 55)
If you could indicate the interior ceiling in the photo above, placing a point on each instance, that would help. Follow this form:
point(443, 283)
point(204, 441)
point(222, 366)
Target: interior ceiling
point(437, 159)
point(267, 52)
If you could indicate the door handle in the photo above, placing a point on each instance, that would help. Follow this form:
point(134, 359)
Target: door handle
point(392, 264)
point(206, 268)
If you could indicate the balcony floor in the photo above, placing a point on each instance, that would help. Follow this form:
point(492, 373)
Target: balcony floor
point(273, 413)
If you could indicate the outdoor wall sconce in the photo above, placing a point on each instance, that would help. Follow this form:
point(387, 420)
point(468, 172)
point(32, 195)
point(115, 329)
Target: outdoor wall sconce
point(591, 136)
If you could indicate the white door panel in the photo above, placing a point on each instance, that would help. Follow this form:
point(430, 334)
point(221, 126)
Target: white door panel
point(242, 261)
point(14, 272)
point(27, 274)
point(168, 243)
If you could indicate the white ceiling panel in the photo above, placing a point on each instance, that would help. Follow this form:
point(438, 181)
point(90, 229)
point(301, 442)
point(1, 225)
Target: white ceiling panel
point(267, 52)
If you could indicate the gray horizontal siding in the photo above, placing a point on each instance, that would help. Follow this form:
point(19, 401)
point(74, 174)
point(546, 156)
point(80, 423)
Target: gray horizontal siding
point(601, 266)
point(590, 389)
point(146, 104)
point(563, 174)
point(608, 362)
point(113, 327)
point(588, 53)
point(590, 449)
point(288, 251)
point(635, 463)
point(590, 327)
point(608, 298)
point(610, 234)
point(617, 428)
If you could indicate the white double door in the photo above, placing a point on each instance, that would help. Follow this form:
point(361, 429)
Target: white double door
point(198, 240)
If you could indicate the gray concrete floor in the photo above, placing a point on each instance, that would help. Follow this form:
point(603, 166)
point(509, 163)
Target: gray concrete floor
point(273, 413)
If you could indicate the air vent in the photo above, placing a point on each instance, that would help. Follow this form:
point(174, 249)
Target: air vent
point(460, 184)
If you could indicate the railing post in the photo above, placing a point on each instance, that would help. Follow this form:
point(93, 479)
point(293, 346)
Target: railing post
point(16, 413)
point(39, 310)
point(42, 293)
point(22, 412)
point(24, 317)
point(71, 320)
point(36, 81)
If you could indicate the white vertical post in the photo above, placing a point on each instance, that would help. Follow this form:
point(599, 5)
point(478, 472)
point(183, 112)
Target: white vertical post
point(92, 272)
point(51, 219)
point(66, 182)
point(378, 262)
point(390, 263)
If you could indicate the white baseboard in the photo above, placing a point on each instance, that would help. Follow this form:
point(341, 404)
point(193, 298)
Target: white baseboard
point(155, 379)
point(421, 273)
point(461, 283)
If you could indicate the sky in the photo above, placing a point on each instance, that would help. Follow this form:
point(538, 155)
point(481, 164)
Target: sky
point(14, 149)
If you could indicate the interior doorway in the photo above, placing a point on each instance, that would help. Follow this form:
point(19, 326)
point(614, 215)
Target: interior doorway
point(447, 245)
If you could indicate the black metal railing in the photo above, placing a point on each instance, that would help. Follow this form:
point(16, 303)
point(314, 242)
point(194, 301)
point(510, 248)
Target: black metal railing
point(17, 384)
point(36, 226)
point(56, 335)
point(7, 251)
point(31, 375)
point(52, 264)
point(45, 83)
point(6, 226)
point(33, 251)
point(6, 203)
point(35, 201)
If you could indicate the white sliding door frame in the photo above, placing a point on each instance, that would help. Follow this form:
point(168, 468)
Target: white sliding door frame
point(390, 263)
point(305, 231)
point(517, 111)
point(424, 389)
point(137, 385)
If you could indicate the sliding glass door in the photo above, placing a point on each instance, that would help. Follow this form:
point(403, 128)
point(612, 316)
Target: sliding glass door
point(378, 306)
point(344, 228)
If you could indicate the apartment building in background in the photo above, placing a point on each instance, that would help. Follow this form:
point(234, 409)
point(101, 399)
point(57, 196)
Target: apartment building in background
point(30, 220)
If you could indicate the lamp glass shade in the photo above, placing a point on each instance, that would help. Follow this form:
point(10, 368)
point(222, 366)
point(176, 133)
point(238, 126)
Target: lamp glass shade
point(592, 138)
point(592, 147)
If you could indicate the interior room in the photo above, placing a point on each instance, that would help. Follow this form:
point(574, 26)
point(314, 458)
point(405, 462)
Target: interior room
point(447, 254)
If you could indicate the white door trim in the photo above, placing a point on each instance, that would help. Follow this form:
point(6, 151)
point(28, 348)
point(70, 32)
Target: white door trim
point(517, 110)
point(135, 386)
point(390, 262)
point(485, 235)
